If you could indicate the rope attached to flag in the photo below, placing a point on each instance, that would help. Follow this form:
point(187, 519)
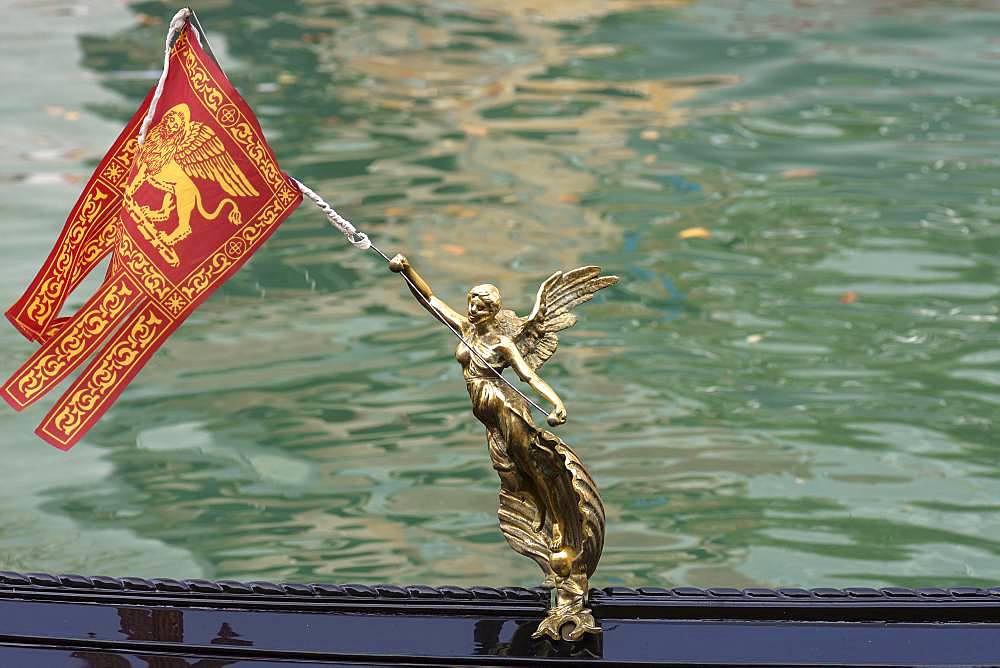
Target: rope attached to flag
point(359, 240)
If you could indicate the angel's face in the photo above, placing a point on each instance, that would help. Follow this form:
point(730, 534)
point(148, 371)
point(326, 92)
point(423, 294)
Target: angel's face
point(479, 310)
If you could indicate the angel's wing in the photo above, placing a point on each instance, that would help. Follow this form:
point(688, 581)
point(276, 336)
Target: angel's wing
point(201, 154)
point(558, 295)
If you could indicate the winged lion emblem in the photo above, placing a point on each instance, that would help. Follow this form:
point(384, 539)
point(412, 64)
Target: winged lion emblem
point(176, 151)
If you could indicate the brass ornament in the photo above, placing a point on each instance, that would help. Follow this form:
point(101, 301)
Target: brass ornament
point(550, 507)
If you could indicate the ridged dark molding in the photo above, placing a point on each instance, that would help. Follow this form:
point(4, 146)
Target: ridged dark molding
point(41, 581)
point(13, 579)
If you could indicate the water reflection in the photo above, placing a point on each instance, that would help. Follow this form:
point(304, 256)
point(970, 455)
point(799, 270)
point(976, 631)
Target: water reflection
point(803, 394)
point(501, 637)
point(228, 636)
point(156, 625)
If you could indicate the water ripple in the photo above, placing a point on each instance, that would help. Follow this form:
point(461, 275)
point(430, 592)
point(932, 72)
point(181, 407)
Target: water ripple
point(794, 383)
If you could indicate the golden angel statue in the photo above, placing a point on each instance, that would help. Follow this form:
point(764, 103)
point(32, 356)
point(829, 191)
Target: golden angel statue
point(550, 508)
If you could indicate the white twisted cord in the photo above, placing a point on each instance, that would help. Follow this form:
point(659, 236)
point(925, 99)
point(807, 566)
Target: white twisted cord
point(176, 25)
point(359, 240)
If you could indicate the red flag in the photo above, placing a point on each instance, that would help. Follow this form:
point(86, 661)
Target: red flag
point(201, 194)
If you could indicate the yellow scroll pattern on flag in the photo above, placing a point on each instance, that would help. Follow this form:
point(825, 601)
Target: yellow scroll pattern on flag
point(96, 203)
point(106, 375)
point(63, 352)
point(90, 237)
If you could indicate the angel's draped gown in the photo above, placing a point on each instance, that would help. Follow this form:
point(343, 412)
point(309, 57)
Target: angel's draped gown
point(542, 482)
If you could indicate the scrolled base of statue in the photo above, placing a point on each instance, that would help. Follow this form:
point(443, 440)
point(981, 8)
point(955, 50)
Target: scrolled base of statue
point(569, 618)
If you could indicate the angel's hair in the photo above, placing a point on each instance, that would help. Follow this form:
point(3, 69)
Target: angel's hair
point(489, 294)
point(506, 321)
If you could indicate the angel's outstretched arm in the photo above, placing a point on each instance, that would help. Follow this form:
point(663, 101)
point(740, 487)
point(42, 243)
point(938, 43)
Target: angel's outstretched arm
point(425, 296)
point(529, 376)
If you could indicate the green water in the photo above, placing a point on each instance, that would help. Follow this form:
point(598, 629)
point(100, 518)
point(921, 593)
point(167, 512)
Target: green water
point(805, 397)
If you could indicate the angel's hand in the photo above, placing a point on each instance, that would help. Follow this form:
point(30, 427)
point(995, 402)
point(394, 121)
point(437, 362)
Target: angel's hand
point(398, 263)
point(557, 416)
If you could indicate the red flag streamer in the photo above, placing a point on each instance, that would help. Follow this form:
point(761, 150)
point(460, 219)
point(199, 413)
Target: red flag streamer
point(87, 238)
point(180, 213)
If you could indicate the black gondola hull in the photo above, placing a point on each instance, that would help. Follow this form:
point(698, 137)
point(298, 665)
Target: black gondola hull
point(72, 620)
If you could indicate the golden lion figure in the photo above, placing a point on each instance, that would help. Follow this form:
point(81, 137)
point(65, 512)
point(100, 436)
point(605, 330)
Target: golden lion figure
point(176, 150)
point(550, 508)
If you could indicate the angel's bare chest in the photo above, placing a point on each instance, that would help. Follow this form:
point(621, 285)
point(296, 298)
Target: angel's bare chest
point(490, 354)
